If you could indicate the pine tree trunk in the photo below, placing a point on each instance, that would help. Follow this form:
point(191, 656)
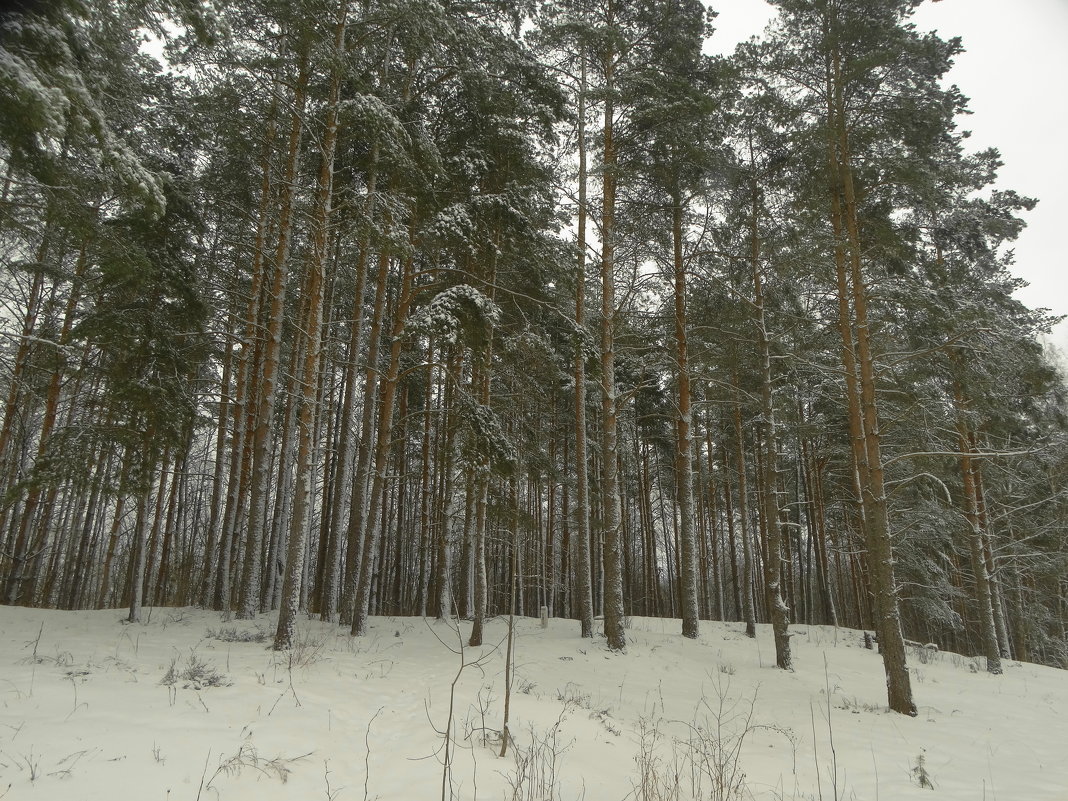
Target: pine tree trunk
point(719, 612)
point(748, 612)
point(873, 491)
point(314, 289)
point(157, 522)
point(815, 517)
point(387, 391)
point(137, 556)
point(214, 537)
point(160, 594)
point(581, 537)
point(482, 379)
point(612, 587)
point(358, 517)
point(263, 391)
point(983, 594)
point(481, 580)
point(425, 490)
point(285, 457)
point(243, 412)
point(684, 448)
point(343, 489)
point(451, 523)
point(1000, 621)
point(732, 540)
point(550, 573)
point(779, 612)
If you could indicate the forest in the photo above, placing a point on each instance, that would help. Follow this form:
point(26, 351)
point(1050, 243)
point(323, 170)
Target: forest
point(467, 307)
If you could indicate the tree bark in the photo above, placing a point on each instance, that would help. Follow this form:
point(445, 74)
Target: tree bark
point(343, 494)
point(581, 537)
point(872, 484)
point(388, 391)
point(264, 389)
point(684, 448)
point(613, 579)
point(779, 612)
point(314, 289)
point(748, 612)
point(983, 595)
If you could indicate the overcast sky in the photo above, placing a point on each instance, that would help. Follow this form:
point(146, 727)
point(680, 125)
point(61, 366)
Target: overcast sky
point(1014, 70)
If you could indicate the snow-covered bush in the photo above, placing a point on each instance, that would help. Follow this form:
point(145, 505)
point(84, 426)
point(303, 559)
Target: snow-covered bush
point(196, 674)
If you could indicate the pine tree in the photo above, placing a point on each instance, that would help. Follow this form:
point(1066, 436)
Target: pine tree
point(672, 157)
point(147, 320)
point(867, 76)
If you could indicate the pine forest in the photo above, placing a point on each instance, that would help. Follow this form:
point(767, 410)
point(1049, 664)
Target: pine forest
point(462, 308)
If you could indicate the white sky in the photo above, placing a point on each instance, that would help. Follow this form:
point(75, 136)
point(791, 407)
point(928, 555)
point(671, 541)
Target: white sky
point(1013, 70)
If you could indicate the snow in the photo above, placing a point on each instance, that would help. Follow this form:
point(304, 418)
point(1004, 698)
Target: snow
point(48, 103)
point(454, 310)
point(84, 713)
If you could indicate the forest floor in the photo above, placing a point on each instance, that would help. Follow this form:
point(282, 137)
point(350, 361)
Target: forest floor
point(185, 707)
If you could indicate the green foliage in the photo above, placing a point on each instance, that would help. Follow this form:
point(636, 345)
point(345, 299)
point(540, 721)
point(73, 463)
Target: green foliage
point(484, 441)
point(68, 74)
point(146, 322)
point(457, 315)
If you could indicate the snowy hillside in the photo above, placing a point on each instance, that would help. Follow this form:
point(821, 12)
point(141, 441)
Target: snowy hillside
point(184, 707)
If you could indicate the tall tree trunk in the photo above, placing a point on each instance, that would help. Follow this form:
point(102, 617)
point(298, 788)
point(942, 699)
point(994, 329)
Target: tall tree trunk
point(748, 612)
point(613, 579)
point(779, 612)
point(684, 448)
point(719, 612)
point(343, 490)
point(983, 594)
point(242, 411)
point(213, 541)
point(581, 537)
point(387, 391)
point(314, 289)
point(872, 484)
point(139, 547)
point(264, 389)
point(732, 541)
point(358, 517)
point(997, 595)
point(481, 579)
point(425, 490)
point(285, 474)
point(815, 517)
point(482, 377)
point(452, 527)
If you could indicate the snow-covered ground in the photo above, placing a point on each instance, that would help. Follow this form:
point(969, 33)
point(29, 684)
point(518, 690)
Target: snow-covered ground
point(93, 708)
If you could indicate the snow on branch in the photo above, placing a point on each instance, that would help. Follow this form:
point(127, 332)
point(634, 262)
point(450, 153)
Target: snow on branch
point(485, 443)
point(459, 314)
